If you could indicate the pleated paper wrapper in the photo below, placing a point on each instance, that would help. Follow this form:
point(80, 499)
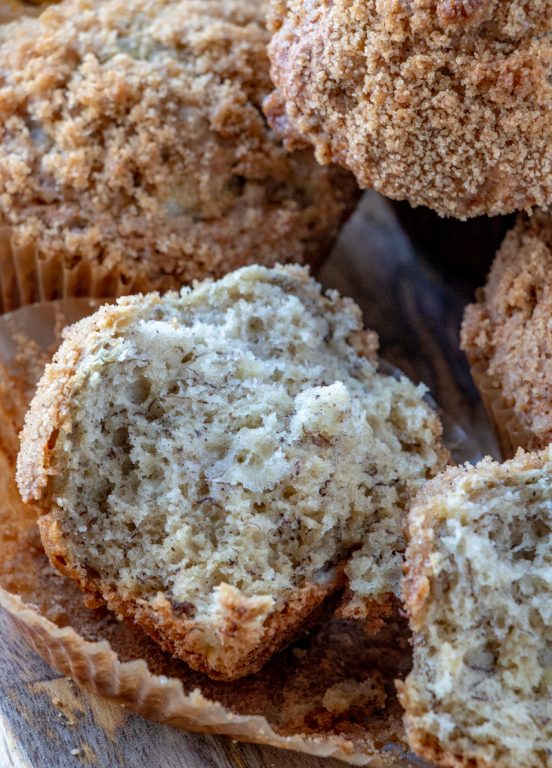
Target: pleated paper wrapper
point(27, 276)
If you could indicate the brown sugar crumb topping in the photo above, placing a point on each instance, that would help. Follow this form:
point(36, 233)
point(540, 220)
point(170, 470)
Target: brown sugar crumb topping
point(442, 103)
point(132, 137)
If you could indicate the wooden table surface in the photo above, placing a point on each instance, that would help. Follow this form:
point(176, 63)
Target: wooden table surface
point(47, 722)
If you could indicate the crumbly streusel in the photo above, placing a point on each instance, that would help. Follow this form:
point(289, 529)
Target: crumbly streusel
point(445, 103)
point(132, 137)
point(509, 330)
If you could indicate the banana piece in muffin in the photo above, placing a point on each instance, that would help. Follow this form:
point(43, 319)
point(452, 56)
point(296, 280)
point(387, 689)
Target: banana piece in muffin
point(478, 590)
point(207, 462)
point(134, 154)
point(444, 103)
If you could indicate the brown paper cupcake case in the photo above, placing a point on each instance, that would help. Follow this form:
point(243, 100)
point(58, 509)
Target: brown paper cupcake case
point(96, 666)
point(510, 432)
point(26, 277)
point(295, 702)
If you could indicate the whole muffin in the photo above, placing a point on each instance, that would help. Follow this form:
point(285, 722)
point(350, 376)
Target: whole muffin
point(445, 103)
point(507, 336)
point(134, 153)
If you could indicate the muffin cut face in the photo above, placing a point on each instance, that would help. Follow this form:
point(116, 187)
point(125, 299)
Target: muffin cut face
point(443, 103)
point(209, 457)
point(134, 152)
point(479, 593)
point(506, 334)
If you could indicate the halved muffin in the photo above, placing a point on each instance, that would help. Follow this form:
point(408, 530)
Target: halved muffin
point(478, 590)
point(208, 461)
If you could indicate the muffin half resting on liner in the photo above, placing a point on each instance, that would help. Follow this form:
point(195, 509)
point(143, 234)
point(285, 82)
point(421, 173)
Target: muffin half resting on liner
point(444, 103)
point(208, 463)
point(331, 694)
point(134, 154)
point(507, 338)
point(478, 590)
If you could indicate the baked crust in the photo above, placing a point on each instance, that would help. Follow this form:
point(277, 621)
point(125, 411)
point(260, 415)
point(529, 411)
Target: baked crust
point(135, 155)
point(443, 103)
point(243, 654)
point(11, 10)
point(506, 333)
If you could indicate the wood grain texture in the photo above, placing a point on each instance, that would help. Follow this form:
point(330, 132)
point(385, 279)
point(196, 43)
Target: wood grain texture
point(47, 722)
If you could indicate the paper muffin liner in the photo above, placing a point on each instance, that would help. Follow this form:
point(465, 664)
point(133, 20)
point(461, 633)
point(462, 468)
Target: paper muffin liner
point(510, 432)
point(27, 277)
point(331, 694)
point(159, 698)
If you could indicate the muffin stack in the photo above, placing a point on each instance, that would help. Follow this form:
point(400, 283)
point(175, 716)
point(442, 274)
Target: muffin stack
point(226, 465)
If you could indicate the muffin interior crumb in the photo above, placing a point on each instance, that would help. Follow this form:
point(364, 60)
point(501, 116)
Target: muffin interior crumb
point(233, 435)
point(482, 681)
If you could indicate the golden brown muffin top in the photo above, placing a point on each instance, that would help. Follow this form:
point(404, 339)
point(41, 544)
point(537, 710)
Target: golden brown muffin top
point(131, 133)
point(445, 103)
point(509, 330)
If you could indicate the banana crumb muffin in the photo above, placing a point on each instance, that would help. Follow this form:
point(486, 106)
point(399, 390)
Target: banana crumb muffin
point(507, 334)
point(134, 153)
point(445, 103)
point(207, 461)
point(478, 589)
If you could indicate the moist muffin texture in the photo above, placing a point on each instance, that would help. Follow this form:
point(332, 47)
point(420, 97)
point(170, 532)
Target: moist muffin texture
point(478, 589)
point(444, 103)
point(208, 461)
point(133, 146)
point(507, 332)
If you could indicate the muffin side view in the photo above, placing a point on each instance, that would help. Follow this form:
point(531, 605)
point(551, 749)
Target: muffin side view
point(207, 462)
point(134, 154)
point(478, 590)
point(506, 336)
point(444, 104)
